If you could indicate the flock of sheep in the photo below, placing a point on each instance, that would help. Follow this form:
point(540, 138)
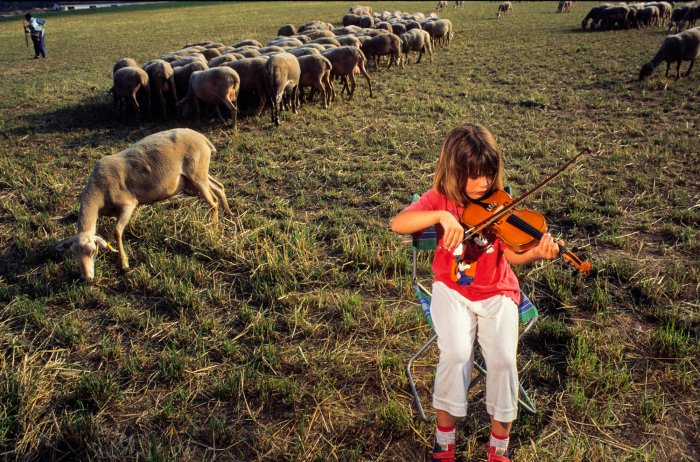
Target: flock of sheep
point(161, 165)
point(683, 46)
point(311, 56)
point(661, 14)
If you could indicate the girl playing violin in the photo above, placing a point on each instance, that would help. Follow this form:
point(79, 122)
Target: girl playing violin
point(475, 292)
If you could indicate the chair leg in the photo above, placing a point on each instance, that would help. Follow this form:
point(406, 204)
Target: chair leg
point(412, 383)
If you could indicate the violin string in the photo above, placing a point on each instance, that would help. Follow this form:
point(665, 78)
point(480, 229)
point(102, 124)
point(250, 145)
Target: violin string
point(537, 234)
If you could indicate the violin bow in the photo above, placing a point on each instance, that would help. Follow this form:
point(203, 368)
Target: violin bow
point(502, 212)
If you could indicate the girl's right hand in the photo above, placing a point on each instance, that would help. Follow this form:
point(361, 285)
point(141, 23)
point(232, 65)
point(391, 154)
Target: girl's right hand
point(454, 232)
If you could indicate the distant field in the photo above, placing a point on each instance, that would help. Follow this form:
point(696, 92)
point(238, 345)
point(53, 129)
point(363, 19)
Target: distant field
point(284, 334)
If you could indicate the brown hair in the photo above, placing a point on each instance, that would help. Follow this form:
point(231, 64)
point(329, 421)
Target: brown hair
point(469, 151)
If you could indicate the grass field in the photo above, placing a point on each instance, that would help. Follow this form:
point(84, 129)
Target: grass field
point(283, 334)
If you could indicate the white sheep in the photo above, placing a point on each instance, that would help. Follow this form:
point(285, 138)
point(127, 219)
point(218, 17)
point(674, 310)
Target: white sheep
point(129, 82)
point(504, 8)
point(282, 73)
point(218, 85)
point(124, 62)
point(684, 46)
point(151, 170)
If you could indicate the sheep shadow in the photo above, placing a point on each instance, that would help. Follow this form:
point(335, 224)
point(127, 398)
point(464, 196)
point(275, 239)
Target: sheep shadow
point(97, 120)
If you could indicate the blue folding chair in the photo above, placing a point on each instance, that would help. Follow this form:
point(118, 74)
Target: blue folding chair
point(426, 240)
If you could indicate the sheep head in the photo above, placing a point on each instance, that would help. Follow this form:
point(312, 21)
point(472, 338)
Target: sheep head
point(84, 247)
point(646, 71)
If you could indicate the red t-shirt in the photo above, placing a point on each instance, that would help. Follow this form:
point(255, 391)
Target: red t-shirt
point(485, 271)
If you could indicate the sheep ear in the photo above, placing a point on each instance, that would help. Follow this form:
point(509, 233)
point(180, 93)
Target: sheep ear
point(65, 245)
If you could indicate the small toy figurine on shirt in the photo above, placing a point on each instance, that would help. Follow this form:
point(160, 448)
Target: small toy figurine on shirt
point(464, 265)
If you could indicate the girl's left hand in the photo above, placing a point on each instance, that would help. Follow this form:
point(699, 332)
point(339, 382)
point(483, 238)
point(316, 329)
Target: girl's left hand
point(547, 248)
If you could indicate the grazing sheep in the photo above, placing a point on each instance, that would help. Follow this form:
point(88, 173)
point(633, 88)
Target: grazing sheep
point(441, 32)
point(593, 15)
point(210, 53)
point(249, 53)
point(128, 83)
point(188, 59)
point(272, 48)
point(161, 81)
point(287, 30)
point(383, 25)
point(441, 6)
point(609, 17)
point(348, 40)
point(212, 86)
point(356, 20)
point(247, 42)
point(282, 73)
point(326, 41)
point(398, 28)
point(183, 73)
point(360, 10)
point(302, 38)
point(665, 9)
point(676, 17)
point(347, 30)
point(684, 46)
point(383, 45)
point(304, 51)
point(647, 16)
point(170, 57)
point(285, 42)
point(692, 15)
point(503, 9)
point(459, 4)
point(345, 60)
point(124, 62)
point(151, 170)
point(315, 25)
point(219, 60)
point(564, 6)
point(315, 33)
point(250, 72)
point(416, 40)
point(413, 25)
point(316, 73)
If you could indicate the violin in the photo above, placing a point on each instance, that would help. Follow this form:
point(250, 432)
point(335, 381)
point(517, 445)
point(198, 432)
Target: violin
point(518, 229)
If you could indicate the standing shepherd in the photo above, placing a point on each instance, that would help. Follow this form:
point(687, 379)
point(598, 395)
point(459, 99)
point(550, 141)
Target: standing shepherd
point(35, 28)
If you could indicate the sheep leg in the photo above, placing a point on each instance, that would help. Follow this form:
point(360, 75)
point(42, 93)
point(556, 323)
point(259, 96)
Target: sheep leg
point(344, 81)
point(134, 102)
point(124, 217)
point(687, 73)
point(668, 66)
point(295, 99)
point(328, 85)
point(678, 69)
point(234, 111)
point(220, 193)
point(352, 86)
point(361, 65)
point(202, 187)
point(319, 85)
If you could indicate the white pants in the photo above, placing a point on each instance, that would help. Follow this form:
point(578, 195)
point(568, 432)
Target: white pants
point(458, 321)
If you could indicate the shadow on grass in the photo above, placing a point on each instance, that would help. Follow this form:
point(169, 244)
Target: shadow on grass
point(98, 123)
